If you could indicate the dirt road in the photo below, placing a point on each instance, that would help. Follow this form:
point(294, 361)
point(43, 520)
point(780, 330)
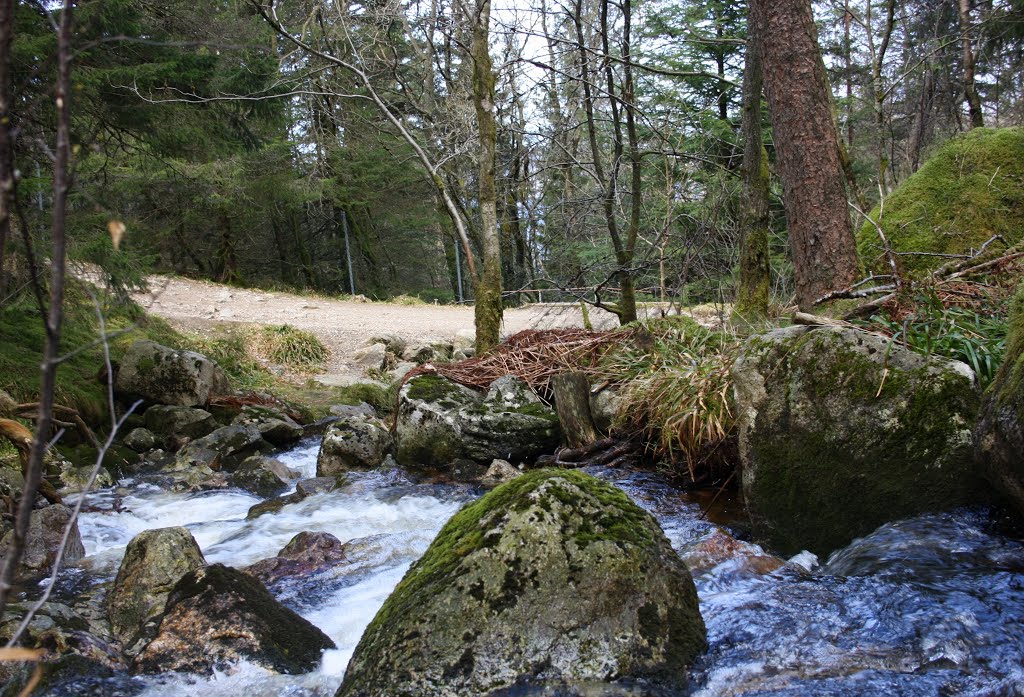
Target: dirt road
point(344, 326)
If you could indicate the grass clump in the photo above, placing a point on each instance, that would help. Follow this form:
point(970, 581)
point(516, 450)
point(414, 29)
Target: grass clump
point(676, 389)
point(405, 299)
point(971, 189)
point(232, 354)
point(295, 349)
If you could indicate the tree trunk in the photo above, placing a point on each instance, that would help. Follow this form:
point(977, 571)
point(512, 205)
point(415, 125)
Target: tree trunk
point(487, 286)
point(6, 142)
point(755, 269)
point(572, 401)
point(807, 145)
point(970, 89)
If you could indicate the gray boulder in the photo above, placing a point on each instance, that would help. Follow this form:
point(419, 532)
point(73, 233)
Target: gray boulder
point(189, 422)
point(224, 448)
point(140, 440)
point(499, 472)
point(554, 578)
point(168, 376)
point(42, 542)
point(841, 430)
point(999, 436)
point(257, 475)
point(358, 443)
point(306, 554)
point(440, 421)
point(217, 615)
point(154, 561)
point(372, 357)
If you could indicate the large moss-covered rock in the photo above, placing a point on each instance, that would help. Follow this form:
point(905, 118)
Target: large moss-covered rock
point(42, 542)
point(440, 421)
point(168, 376)
point(218, 615)
point(356, 442)
point(999, 437)
point(224, 448)
point(841, 430)
point(971, 189)
point(154, 561)
point(190, 422)
point(554, 578)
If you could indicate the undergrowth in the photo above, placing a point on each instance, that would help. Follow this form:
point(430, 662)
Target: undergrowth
point(297, 350)
point(676, 389)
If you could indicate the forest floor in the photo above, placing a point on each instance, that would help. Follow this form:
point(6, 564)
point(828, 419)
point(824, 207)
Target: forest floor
point(343, 326)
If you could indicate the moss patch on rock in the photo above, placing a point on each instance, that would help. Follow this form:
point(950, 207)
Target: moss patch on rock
point(971, 189)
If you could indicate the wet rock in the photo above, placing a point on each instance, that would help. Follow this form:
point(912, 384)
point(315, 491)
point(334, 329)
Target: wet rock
point(140, 440)
point(180, 421)
point(999, 436)
point(254, 476)
point(167, 376)
point(719, 547)
point(440, 421)
point(499, 472)
point(74, 479)
point(275, 426)
point(841, 430)
point(217, 616)
point(224, 448)
point(317, 485)
point(358, 443)
point(273, 505)
point(554, 577)
point(153, 562)
point(306, 554)
point(45, 531)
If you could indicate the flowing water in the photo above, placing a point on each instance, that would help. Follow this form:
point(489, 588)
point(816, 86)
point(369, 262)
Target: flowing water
point(929, 606)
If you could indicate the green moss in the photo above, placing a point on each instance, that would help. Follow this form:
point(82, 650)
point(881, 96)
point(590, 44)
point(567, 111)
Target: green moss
point(537, 410)
point(971, 189)
point(1009, 382)
point(433, 388)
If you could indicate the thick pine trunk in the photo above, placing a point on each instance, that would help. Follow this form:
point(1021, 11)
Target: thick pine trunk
point(572, 401)
point(807, 145)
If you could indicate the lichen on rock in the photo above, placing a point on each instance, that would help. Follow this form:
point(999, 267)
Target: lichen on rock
point(554, 578)
point(842, 430)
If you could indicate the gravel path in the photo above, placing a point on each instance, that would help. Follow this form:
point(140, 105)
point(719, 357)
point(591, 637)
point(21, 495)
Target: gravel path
point(344, 326)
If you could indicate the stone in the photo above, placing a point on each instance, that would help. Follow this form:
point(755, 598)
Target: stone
point(254, 477)
point(350, 410)
point(180, 421)
point(42, 542)
point(217, 616)
point(317, 485)
point(372, 357)
point(154, 561)
point(224, 448)
point(394, 343)
point(140, 440)
point(418, 353)
point(464, 339)
point(999, 435)
point(307, 553)
point(280, 432)
point(604, 408)
point(358, 443)
point(841, 430)
point(74, 480)
point(440, 421)
point(7, 405)
point(554, 578)
point(499, 472)
point(167, 376)
point(273, 505)
point(401, 370)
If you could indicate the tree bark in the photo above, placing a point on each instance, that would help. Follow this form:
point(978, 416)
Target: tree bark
point(970, 89)
point(6, 142)
point(755, 269)
point(572, 402)
point(807, 146)
point(487, 310)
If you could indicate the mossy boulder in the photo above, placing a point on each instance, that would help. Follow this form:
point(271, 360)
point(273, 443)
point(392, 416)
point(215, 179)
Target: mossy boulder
point(353, 443)
point(440, 421)
point(42, 542)
point(257, 475)
point(217, 616)
point(224, 448)
point(971, 189)
point(553, 579)
point(999, 436)
point(164, 375)
point(841, 430)
point(154, 561)
point(189, 422)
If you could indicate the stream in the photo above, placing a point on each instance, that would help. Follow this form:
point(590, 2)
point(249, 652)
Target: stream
point(928, 606)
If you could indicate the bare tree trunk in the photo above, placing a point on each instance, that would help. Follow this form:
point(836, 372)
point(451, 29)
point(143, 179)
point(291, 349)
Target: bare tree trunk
point(809, 160)
point(54, 315)
point(755, 268)
point(970, 88)
point(488, 310)
point(6, 142)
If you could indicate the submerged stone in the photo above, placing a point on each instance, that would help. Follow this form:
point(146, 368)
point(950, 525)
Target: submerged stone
point(553, 578)
point(841, 430)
